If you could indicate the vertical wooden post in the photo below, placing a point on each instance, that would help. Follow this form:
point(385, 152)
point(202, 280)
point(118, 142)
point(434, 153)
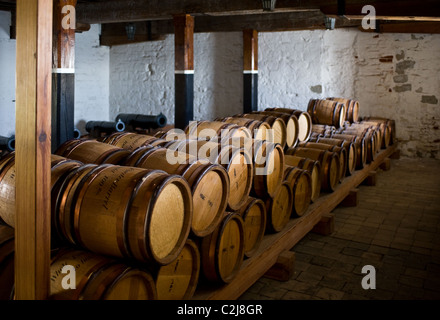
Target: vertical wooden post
point(250, 71)
point(184, 70)
point(32, 158)
point(63, 78)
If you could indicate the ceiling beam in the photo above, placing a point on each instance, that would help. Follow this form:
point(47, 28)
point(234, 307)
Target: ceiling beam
point(140, 10)
point(147, 31)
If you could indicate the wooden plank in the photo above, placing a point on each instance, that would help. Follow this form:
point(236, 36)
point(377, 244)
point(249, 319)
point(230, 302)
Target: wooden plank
point(273, 244)
point(32, 159)
point(138, 10)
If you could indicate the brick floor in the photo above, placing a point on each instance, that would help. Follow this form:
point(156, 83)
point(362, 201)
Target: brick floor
point(395, 228)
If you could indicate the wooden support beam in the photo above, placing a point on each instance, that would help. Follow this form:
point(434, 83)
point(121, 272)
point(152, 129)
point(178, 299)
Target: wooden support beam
point(267, 22)
point(113, 34)
point(32, 158)
point(326, 225)
point(370, 180)
point(250, 71)
point(352, 199)
point(184, 70)
point(63, 79)
point(138, 10)
point(284, 267)
point(395, 155)
point(386, 164)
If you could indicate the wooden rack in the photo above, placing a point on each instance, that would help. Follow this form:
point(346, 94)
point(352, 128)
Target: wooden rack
point(274, 244)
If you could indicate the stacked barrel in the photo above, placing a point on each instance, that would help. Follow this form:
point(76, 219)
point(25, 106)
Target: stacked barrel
point(179, 207)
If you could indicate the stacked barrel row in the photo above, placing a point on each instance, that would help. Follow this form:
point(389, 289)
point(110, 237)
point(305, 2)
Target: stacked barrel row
point(188, 206)
point(125, 230)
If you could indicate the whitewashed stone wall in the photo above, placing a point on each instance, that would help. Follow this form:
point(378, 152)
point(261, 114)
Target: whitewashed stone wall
point(91, 77)
point(142, 77)
point(392, 75)
point(7, 77)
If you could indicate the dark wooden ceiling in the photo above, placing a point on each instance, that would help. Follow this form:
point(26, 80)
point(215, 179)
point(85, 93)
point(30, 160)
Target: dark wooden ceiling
point(155, 17)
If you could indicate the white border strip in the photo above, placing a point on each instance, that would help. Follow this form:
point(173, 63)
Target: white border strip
point(63, 70)
point(184, 71)
point(250, 71)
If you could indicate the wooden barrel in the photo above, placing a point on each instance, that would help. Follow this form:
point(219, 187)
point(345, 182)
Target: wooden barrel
point(236, 161)
point(59, 168)
point(292, 125)
point(63, 202)
point(314, 169)
point(327, 112)
point(304, 121)
point(349, 147)
point(253, 213)
point(178, 280)
point(268, 160)
point(7, 192)
point(329, 165)
point(278, 126)
point(209, 184)
point(352, 106)
point(390, 127)
point(99, 278)
point(300, 182)
point(7, 247)
point(323, 129)
point(342, 153)
point(128, 212)
point(258, 129)
point(131, 141)
point(364, 129)
point(369, 138)
point(279, 208)
point(384, 129)
point(222, 252)
point(91, 151)
point(206, 130)
point(360, 145)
